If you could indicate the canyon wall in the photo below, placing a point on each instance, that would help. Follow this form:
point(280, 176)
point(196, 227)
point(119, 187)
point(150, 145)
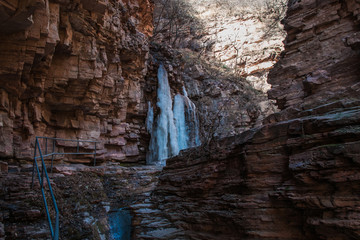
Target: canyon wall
point(74, 69)
point(321, 61)
point(297, 176)
point(243, 37)
point(246, 37)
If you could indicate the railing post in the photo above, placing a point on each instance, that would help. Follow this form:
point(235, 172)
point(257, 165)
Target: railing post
point(95, 155)
point(42, 176)
point(56, 234)
point(46, 140)
point(47, 213)
point(44, 172)
point(52, 154)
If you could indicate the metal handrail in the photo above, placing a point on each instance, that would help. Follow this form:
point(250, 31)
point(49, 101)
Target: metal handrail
point(54, 232)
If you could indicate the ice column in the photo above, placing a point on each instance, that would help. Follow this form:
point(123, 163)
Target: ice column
point(163, 143)
point(180, 123)
point(150, 118)
point(192, 121)
point(175, 127)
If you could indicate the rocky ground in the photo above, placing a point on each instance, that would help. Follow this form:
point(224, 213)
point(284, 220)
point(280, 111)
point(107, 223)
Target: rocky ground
point(85, 196)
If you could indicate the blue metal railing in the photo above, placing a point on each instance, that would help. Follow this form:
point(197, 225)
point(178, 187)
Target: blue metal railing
point(54, 230)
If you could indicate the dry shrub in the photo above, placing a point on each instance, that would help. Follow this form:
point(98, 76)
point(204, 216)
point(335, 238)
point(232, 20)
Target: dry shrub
point(174, 20)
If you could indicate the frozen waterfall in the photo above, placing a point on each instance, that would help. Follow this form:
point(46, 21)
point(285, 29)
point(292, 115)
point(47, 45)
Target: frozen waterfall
point(175, 128)
point(192, 120)
point(179, 118)
point(150, 118)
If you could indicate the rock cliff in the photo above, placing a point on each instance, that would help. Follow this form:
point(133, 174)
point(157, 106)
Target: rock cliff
point(297, 176)
point(74, 69)
point(321, 61)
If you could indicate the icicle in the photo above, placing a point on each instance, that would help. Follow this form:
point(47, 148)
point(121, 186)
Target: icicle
point(185, 92)
point(165, 128)
point(150, 118)
point(179, 117)
point(192, 120)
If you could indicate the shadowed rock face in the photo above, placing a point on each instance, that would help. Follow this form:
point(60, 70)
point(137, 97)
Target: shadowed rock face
point(297, 176)
point(74, 69)
point(295, 179)
point(320, 63)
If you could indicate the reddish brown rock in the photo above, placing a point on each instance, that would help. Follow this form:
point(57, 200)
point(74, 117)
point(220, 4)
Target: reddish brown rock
point(70, 70)
point(320, 62)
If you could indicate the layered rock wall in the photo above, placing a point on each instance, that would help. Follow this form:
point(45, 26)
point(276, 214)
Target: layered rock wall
point(296, 179)
point(321, 61)
point(74, 69)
